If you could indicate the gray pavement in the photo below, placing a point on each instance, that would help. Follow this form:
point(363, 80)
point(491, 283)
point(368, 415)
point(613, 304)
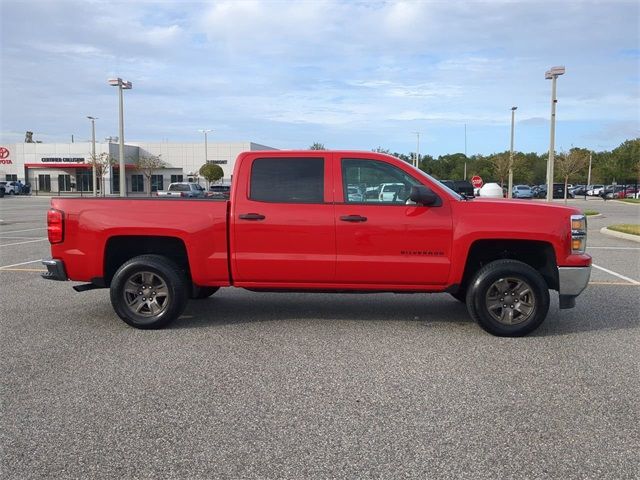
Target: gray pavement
point(257, 385)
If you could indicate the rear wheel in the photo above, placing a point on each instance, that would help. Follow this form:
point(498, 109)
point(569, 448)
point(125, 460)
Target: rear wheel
point(149, 291)
point(508, 298)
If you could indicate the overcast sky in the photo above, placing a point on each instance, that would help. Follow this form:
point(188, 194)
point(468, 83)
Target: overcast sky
point(351, 75)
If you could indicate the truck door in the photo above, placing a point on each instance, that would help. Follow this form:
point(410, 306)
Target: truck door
point(379, 238)
point(283, 221)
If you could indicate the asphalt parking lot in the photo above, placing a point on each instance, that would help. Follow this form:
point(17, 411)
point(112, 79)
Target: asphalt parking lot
point(257, 385)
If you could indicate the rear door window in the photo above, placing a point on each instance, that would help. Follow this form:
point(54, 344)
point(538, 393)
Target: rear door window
point(287, 180)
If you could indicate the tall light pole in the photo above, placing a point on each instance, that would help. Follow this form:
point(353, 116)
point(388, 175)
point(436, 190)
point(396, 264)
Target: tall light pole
point(417, 162)
point(93, 152)
point(589, 175)
point(122, 85)
point(552, 74)
point(205, 131)
point(510, 187)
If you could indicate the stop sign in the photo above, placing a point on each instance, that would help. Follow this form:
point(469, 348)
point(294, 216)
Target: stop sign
point(476, 181)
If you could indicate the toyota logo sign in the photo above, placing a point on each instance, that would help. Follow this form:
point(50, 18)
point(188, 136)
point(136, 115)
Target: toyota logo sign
point(4, 152)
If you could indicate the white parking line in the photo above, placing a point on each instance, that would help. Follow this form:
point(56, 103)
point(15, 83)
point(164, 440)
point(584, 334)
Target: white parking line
point(5, 237)
point(23, 263)
point(630, 280)
point(26, 230)
point(22, 243)
point(613, 248)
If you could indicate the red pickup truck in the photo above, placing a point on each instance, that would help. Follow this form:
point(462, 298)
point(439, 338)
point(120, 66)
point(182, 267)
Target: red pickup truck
point(315, 221)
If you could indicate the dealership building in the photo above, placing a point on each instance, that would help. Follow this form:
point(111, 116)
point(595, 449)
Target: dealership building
point(66, 168)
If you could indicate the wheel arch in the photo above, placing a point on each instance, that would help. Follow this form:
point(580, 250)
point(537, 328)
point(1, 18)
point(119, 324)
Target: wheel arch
point(120, 249)
point(537, 254)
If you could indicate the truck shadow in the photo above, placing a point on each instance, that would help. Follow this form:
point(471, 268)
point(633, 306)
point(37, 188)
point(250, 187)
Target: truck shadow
point(239, 307)
point(230, 307)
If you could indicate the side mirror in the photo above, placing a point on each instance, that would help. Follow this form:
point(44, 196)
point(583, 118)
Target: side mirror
point(424, 196)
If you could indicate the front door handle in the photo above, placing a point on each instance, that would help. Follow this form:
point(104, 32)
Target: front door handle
point(353, 218)
point(251, 216)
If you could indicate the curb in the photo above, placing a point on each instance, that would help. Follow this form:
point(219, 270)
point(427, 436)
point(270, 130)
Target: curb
point(598, 215)
point(626, 236)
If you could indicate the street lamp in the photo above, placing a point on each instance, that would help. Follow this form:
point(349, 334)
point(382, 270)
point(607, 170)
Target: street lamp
point(510, 190)
point(417, 150)
point(552, 74)
point(205, 131)
point(93, 152)
point(122, 85)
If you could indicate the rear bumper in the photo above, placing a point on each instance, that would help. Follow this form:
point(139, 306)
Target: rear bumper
point(55, 270)
point(573, 280)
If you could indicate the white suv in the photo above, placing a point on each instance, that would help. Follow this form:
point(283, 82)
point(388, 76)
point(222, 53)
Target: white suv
point(389, 191)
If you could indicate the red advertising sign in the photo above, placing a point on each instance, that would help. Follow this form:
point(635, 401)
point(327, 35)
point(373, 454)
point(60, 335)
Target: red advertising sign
point(4, 152)
point(476, 181)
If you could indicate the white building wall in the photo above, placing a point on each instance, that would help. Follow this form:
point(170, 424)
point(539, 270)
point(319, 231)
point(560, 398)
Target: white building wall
point(181, 158)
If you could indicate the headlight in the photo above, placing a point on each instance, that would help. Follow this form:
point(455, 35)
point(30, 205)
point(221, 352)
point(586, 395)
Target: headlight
point(578, 233)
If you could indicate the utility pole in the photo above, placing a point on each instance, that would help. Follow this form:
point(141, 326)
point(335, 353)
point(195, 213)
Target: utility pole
point(552, 74)
point(93, 153)
point(510, 187)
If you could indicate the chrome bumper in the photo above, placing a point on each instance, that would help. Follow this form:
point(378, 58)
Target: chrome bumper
point(573, 280)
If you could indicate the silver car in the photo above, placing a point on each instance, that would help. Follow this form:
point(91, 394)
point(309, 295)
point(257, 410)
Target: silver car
point(522, 191)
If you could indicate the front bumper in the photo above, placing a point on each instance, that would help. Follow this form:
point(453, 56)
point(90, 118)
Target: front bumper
point(55, 270)
point(573, 280)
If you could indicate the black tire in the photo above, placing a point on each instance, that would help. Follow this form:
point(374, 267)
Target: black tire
point(149, 274)
point(514, 312)
point(200, 293)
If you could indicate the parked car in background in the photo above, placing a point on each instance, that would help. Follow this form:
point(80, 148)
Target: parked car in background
point(521, 191)
point(579, 190)
point(463, 187)
point(182, 189)
point(10, 188)
point(2, 190)
point(539, 191)
point(594, 190)
point(354, 194)
point(219, 191)
point(619, 191)
point(558, 191)
point(389, 191)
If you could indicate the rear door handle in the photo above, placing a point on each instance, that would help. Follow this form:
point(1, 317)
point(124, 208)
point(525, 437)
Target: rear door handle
point(353, 218)
point(251, 216)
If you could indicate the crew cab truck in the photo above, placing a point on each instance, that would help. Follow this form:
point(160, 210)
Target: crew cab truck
point(290, 225)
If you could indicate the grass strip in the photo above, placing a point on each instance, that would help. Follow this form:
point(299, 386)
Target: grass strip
point(630, 228)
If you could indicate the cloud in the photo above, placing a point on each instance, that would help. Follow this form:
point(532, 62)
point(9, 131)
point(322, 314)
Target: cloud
point(335, 67)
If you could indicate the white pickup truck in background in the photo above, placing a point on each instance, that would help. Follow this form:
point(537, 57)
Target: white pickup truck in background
point(183, 189)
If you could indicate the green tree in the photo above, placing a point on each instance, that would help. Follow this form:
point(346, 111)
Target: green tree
point(148, 165)
point(102, 163)
point(317, 146)
point(211, 172)
point(500, 163)
point(570, 164)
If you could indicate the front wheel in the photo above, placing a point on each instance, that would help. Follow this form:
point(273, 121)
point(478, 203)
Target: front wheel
point(149, 291)
point(508, 298)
